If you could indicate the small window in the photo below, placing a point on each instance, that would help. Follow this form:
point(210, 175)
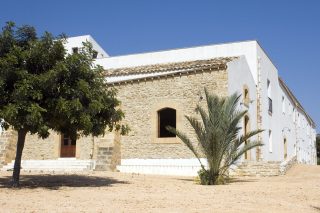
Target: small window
point(283, 105)
point(285, 149)
point(94, 54)
point(269, 97)
point(269, 88)
point(67, 140)
point(293, 114)
point(166, 117)
point(270, 141)
point(75, 50)
point(246, 97)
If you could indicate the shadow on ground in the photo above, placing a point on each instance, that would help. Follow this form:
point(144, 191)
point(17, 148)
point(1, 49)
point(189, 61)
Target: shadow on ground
point(241, 180)
point(54, 182)
point(228, 181)
point(317, 208)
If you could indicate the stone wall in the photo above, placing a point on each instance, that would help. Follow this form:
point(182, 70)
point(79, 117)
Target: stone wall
point(43, 149)
point(36, 148)
point(8, 142)
point(287, 164)
point(140, 101)
point(108, 151)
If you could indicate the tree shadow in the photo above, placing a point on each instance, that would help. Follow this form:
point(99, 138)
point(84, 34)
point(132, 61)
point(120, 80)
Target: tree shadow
point(54, 182)
point(228, 180)
point(240, 180)
point(317, 208)
point(187, 179)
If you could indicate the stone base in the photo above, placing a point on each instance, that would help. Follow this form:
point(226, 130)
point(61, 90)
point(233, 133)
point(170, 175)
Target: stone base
point(59, 165)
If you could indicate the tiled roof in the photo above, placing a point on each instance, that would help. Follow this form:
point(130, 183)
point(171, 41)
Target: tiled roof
point(214, 63)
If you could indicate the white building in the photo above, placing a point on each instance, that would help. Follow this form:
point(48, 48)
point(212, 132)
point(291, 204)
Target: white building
point(284, 120)
point(289, 134)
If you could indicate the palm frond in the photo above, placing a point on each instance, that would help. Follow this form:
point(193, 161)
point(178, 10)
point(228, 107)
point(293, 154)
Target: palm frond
point(217, 134)
point(187, 142)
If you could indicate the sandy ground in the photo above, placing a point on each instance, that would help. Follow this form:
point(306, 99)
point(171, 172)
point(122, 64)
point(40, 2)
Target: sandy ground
point(298, 191)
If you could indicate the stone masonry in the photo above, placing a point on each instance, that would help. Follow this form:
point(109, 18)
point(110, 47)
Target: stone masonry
point(8, 141)
point(140, 101)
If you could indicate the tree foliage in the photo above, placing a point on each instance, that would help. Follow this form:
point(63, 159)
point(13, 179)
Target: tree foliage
point(42, 88)
point(218, 137)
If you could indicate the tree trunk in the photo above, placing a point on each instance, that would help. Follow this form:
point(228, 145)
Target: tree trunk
point(17, 162)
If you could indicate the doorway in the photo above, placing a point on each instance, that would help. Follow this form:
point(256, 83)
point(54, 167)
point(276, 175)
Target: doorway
point(68, 147)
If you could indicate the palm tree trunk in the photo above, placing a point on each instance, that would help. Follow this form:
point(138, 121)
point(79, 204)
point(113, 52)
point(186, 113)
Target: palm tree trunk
point(17, 163)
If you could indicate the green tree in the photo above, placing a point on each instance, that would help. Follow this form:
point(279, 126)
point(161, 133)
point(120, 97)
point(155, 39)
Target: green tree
point(43, 88)
point(218, 137)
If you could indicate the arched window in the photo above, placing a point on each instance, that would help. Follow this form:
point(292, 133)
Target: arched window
point(246, 97)
point(166, 117)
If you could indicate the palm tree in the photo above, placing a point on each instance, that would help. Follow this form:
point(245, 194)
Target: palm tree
point(218, 137)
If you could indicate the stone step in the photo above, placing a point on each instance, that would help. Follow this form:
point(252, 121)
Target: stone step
point(251, 168)
point(54, 165)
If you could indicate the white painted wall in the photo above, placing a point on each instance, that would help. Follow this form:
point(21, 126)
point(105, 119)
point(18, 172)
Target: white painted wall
point(177, 167)
point(239, 75)
point(282, 125)
point(300, 135)
point(77, 42)
point(245, 48)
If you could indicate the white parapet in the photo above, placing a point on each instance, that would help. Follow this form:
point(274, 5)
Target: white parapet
point(176, 167)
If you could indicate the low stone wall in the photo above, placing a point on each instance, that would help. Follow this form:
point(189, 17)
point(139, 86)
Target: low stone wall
point(287, 164)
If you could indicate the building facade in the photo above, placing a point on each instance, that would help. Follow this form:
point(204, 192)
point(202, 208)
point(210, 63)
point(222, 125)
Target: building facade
point(159, 88)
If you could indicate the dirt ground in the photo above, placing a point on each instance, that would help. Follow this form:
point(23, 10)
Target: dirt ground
point(298, 191)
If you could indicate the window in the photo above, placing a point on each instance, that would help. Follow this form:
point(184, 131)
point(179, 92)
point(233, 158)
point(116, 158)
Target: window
point(94, 54)
point(75, 50)
point(283, 105)
point(67, 140)
point(269, 88)
point(269, 97)
point(270, 141)
point(166, 117)
point(285, 149)
point(246, 97)
point(293, 114)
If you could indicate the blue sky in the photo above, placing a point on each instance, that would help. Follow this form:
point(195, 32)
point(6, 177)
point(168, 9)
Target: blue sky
point(289, 31)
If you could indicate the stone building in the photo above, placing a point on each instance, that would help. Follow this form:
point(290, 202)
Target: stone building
point(157, 89)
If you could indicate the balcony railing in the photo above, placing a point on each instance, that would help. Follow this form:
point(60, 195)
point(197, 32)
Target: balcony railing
point(270, 105)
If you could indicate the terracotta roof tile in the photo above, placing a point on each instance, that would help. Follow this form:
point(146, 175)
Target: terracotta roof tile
point(198, 64)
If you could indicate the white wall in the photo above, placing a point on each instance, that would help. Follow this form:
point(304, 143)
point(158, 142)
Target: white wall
point(77, 42)
point(246, 48)
point(239, 75)
point(253, 57)
point(282, 125)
